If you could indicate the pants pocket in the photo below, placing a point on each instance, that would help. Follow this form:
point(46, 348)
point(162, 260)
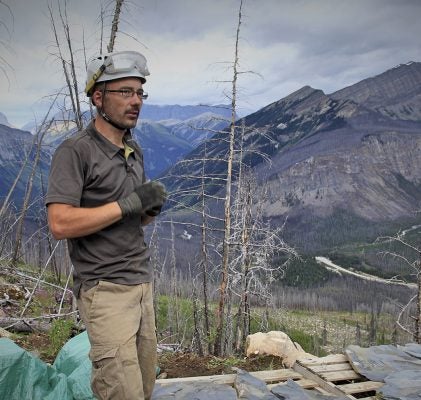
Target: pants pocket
point(107, 376)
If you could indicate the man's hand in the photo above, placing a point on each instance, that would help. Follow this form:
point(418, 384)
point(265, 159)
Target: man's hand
point(147, 199)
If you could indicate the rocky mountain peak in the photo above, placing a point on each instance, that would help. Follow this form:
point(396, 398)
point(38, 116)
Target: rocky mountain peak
point(350, 156)
point(3, 120)
point(303, 98)
point(395, 93)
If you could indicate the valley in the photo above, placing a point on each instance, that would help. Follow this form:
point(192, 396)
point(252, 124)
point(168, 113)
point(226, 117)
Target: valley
point(317, 179)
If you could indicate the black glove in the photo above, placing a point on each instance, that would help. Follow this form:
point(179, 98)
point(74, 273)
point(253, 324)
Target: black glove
point(147, 199)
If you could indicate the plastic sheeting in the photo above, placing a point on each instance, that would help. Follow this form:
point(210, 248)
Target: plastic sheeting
point(194, 391)
point(251, 388)
point(24, 376)
point(413, 349)
point(377, 362)
point(73, 361)
point(403, 385)
point(399, 367)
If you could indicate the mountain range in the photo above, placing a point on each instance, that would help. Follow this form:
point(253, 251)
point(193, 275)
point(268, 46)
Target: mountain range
point(163, 141)
point(336, 166)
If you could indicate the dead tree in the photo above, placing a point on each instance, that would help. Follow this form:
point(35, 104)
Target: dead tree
point(197, 337)
point(155, 265)
point(412, 259)
point(19, 231)
point(255, 245)
point(173, 301)
point(114, 26)
point(67, 63)
point(214, 187)
point(6, 202)
point(5, 66)
point(205, 259)
point(218, 350)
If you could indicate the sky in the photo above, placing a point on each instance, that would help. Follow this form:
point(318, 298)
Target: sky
point(189, 44)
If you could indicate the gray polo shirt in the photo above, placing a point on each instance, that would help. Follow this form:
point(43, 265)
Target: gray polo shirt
point(88, 170)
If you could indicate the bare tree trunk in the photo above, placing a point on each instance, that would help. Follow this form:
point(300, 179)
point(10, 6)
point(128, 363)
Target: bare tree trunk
point(227, 208)
point(4, 45)
point(196, 319)
point(114, 27)
point(6, 226)
point(73, 90)
point(415, 264)
point(228, 332)
point(17, 179)
point(418, 316)
point(153, 245)
point(205, 261)
point(173, 303)
point(243, 319)
point(19, 231)
point(71, 83)
point(20, 325)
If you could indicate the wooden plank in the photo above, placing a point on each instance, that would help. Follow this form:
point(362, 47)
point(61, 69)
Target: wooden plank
point(360, 387)
point(330, 359)
point(327, 386)
point(321, 390)
point(304, 383)
point(267, 376)
point(340, 376)
point(330, 367)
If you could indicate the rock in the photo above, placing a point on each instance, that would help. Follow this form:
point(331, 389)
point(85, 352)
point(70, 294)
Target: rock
point(249, 387)
point(275, 343)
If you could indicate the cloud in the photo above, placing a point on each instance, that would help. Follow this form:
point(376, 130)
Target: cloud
point(327, 44)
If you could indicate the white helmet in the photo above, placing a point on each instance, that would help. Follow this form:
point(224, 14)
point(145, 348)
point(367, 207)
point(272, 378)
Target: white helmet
point(107, 67)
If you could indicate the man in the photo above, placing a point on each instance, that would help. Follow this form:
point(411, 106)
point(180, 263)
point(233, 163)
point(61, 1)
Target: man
point(98, 199)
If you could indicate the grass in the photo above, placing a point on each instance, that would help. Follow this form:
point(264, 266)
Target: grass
point(318, 333)
point(59, 334)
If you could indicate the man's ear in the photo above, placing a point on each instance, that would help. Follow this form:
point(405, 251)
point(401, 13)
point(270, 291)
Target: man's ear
point(97, 98)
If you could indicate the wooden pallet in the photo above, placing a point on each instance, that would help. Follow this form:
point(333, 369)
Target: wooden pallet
point(335, 374)
point(328, 375)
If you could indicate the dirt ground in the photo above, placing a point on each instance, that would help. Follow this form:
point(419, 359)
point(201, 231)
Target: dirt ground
point(171, 364)
point(179, 365)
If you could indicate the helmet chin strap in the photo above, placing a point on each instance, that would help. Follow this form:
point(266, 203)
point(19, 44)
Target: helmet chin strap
point(110, 121)
point(106, 116)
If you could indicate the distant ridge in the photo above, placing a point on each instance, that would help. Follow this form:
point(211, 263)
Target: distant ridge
point(353, 155)
point(178, 112)
point(4, 121)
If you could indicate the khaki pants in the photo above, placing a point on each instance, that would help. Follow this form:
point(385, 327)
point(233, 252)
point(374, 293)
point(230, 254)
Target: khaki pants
point(121, 327)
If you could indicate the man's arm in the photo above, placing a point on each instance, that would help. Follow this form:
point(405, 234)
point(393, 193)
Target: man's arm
point(67, 221)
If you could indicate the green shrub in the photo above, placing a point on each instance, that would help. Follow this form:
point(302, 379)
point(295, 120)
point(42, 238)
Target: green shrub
point(310, 344)
point(59, 334)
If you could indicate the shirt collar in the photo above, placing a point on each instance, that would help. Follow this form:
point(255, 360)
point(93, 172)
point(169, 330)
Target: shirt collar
point(109, 149)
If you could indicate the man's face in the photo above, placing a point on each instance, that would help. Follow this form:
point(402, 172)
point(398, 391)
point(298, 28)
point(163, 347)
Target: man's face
point(123, 110)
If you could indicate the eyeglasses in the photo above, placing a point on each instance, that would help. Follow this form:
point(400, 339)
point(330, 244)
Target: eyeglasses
point(128, 93)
